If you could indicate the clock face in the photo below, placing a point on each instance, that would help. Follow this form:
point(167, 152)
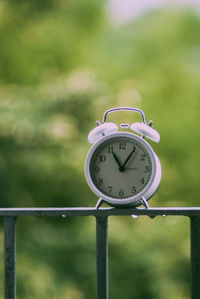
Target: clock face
point(120, 167)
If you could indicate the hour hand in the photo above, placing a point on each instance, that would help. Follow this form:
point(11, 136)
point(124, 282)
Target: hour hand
point(117, 160)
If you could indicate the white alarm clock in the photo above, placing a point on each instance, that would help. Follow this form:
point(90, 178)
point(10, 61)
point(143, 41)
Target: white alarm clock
point(121, 168)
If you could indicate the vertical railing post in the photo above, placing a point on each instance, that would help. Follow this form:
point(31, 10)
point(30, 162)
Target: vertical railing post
point(102, 257)
point(195, 257)
point(10, 257)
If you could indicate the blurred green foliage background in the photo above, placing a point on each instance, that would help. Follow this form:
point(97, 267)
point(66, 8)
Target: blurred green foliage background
point(62, 64)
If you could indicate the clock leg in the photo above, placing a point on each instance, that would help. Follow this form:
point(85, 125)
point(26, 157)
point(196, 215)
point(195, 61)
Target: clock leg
point(99, 203)
point(145, 203)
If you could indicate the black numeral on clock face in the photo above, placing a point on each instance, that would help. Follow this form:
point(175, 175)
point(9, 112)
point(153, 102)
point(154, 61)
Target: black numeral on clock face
point(122, 145)
point(110, 149)
point(110, 189)
point(102, 158)
point(100, 181)
point(142, 180)
point(121, 193)
point(96, 169)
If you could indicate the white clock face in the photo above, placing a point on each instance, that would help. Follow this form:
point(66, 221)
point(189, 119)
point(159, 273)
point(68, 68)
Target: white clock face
point(120, 167)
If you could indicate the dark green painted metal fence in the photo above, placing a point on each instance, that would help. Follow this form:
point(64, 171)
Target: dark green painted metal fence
point(10, 215)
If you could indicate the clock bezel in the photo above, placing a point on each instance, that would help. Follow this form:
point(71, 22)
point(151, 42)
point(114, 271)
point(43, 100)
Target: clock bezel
point(146, 192)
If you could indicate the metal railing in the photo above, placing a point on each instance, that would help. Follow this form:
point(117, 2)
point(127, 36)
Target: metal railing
point(10, 215)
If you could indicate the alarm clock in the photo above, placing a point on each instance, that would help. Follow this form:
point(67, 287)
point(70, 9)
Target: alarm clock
point(121, 167)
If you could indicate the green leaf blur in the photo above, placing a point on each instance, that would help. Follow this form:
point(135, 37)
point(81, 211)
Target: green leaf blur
point(62, 64)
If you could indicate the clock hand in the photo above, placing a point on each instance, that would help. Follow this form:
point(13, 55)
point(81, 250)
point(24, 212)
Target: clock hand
point(117, 160)
point(127, 159)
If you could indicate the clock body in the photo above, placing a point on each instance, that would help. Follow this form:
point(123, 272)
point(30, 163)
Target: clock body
point(121, 168)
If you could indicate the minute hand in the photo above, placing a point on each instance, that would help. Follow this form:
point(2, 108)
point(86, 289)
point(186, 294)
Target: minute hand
point(127, 159)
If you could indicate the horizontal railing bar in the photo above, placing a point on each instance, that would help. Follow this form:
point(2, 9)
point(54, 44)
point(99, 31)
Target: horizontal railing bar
point(104, 212)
